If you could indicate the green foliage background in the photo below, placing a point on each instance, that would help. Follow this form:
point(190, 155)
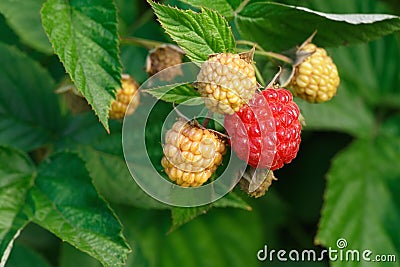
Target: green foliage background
point(344, 182)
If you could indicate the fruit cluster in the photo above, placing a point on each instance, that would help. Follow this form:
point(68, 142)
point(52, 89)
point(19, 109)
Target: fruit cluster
point(264, 126)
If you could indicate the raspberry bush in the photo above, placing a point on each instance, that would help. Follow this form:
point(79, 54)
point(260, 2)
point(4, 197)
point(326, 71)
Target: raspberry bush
point(303, 94)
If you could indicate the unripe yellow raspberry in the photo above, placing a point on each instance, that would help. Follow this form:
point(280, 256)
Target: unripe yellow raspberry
point(316, 79)
point(227, 82)
point(120, 106)
point(191, 154)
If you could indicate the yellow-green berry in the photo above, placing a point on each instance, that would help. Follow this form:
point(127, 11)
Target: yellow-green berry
point(316, 79)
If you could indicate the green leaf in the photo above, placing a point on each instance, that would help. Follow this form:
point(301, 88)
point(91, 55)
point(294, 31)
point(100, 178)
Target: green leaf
point(29, 111)
point(105, 161)
point(391, 126)
point(241, 235)
point(268, 23)
point(70, 256)
point(339, 114)
point(65, 202)
point(84, 36)
point(226, 8)
point(232, 200)
point(17, 173)
point(377, 80)
point(60, 197)
point(179, 94)
point(128, 13)
point(227, 237)
point(7, 35)
point(199, 34)
point(21, 255)
point(133, 59)
point(348, 7)
point(23, 17)
point(181, 215)
point(362, 200)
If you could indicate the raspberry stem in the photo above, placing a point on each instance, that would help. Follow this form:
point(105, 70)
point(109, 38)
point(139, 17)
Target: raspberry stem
point(258, 75)
point(277, 56)
point(260, 51)
point(249, 43)
point(207, 119)
point(145, 17)
point(180, 114)
point(241, 6)
point(149, 44)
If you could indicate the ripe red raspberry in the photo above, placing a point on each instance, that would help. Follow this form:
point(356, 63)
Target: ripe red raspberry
point(266, 132)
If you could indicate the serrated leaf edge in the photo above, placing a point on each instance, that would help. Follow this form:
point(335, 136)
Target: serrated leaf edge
point(194, 13)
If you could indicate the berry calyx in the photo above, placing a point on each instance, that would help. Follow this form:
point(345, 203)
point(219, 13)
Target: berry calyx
point(316, 79)
point(266, 132)
point(191, 154)
point(245, 182)
point(120, 106)
point(227, 82)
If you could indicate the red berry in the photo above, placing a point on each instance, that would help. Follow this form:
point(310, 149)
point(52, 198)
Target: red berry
point(266, 132)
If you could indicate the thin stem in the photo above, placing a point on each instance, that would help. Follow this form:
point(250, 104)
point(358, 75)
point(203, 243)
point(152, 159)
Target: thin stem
point(241, 6)
point(207, 119)
point(276, 56)
point(180, 114)
point(149, 44)
point(249, 43)
point(271, 55)
point(273, 81)
point(147, 15)
point(258, 75)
